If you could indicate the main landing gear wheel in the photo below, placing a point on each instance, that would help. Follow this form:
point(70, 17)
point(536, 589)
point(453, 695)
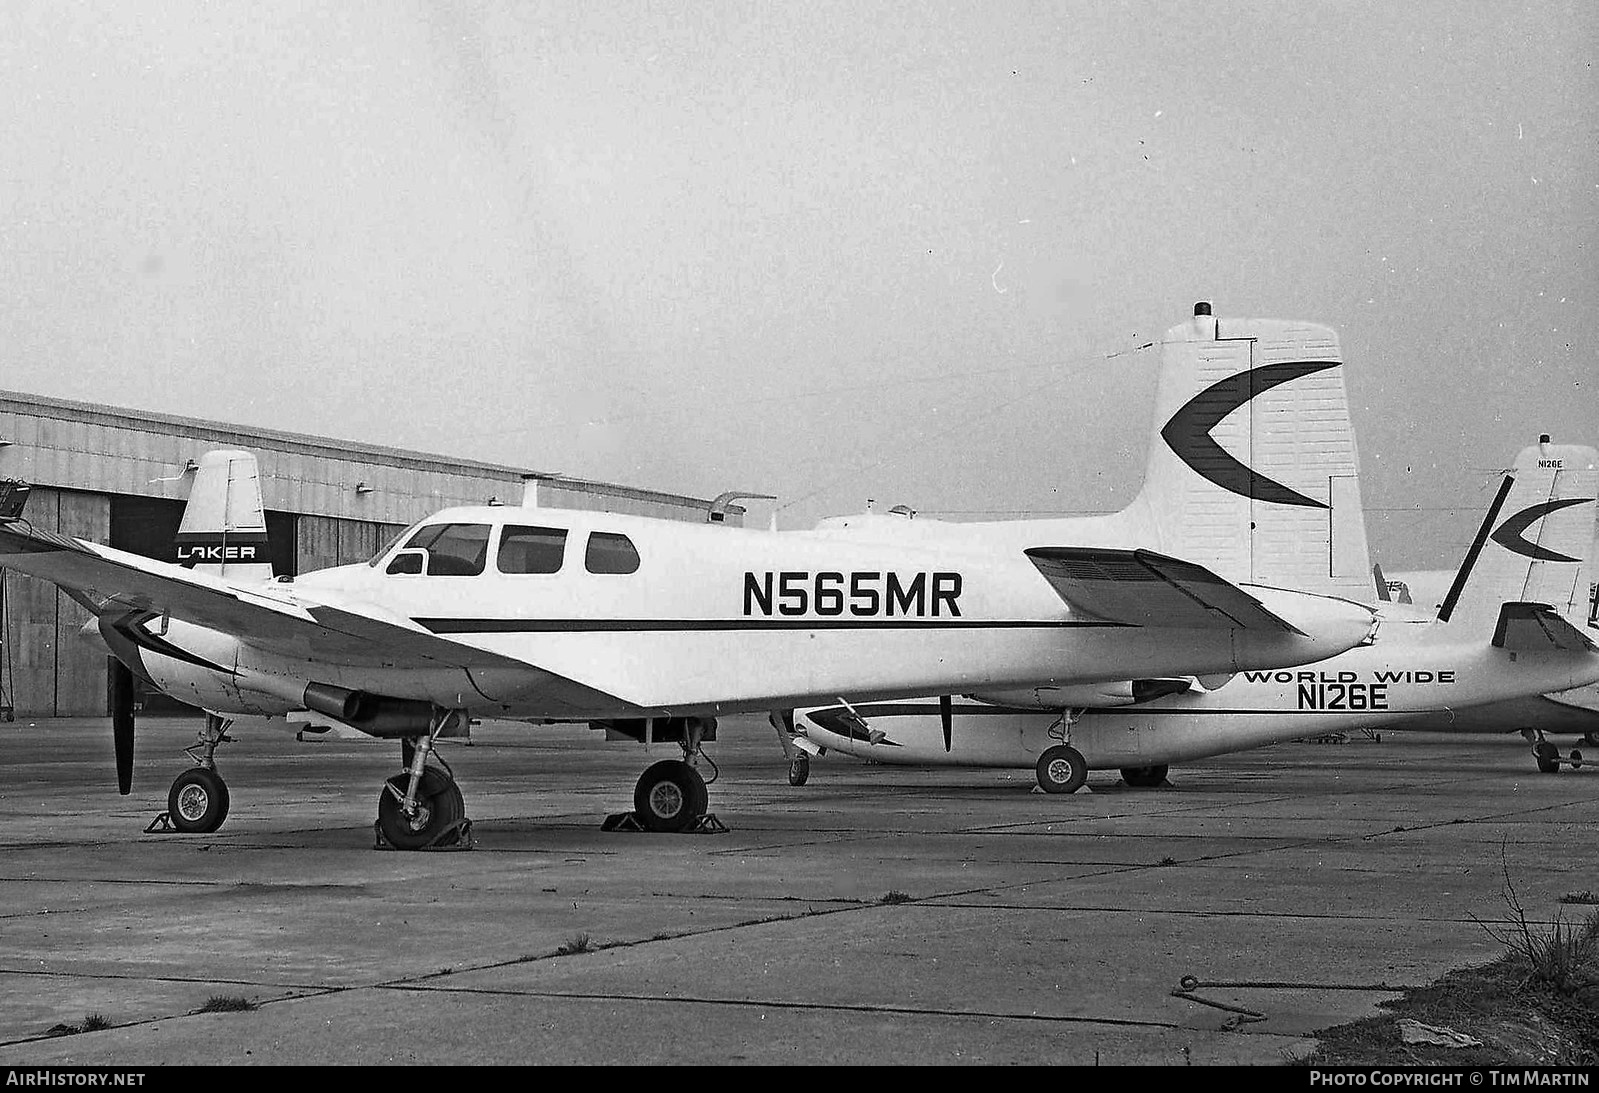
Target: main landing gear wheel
point(198, 801)
point(799, 769)
point(1062, 769)
point(1547, 756)
point(1144, 777)
point(670, 796)
point(439, 807)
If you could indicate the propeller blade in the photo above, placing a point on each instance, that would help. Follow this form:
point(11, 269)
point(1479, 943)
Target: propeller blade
point(946, 715)
point(122, 724)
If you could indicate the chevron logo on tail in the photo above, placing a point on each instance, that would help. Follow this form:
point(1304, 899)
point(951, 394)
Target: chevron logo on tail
point(1509, 534)
point(1188, 431)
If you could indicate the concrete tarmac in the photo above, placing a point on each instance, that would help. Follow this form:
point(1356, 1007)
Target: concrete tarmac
point(877, 915)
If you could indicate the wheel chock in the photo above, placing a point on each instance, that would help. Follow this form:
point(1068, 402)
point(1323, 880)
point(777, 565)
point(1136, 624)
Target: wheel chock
point(707, 824)
point(458, 836)
point(162, 824)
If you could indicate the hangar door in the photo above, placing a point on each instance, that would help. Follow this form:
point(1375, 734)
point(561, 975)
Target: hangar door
point(149, 526)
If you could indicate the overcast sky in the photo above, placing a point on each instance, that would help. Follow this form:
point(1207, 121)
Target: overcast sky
point(830, 251)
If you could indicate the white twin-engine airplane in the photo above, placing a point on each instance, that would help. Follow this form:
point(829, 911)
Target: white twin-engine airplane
point(652, 628)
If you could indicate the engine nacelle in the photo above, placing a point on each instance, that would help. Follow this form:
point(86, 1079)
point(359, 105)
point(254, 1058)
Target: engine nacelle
point(206, 688)
point(190, 663)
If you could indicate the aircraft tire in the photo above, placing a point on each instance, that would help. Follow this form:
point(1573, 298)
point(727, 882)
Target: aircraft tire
point(1145, 777)
point(669, 796)
point(799, 769)
point(1061, 769)
point(439, 806)
point(1576, 758)
point(1547, 756)
point(198, 802)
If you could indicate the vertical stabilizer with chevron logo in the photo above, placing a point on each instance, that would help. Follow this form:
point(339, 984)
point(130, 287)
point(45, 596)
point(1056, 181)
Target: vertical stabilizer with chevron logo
point(1534, 546)
point(1253, 469)
point(224, 524)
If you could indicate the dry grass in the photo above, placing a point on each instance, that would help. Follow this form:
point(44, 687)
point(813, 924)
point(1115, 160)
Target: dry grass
point(1537, 1004)
point(577, 943)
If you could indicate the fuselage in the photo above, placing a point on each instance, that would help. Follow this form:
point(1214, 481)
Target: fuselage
point(595, 615)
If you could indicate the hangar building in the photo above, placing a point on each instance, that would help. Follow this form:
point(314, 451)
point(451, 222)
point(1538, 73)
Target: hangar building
point(122, 477)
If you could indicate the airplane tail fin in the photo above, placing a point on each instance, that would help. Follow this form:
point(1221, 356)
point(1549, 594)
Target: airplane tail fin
point(224, 524)
point(1534, 545)
point(1252, 470)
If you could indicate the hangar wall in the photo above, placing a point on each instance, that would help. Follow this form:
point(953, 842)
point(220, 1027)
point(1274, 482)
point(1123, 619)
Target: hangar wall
point(51, 669)
point(121, 477)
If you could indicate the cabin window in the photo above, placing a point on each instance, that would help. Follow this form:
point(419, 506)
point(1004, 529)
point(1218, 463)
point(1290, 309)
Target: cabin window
point(531, 550)
point(454, 550)
point(610, 553)
point(405, 563)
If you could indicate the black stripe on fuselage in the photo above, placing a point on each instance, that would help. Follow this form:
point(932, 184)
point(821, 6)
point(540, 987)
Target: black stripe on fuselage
point(576, 626)
point(902, 709)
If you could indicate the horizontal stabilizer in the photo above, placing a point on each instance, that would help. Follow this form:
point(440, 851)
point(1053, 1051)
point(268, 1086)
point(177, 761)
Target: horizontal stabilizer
point(1142, 588)
point(1537, 628)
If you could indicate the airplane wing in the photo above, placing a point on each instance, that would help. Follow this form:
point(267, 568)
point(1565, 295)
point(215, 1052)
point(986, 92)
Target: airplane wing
point(1142, 588)
point(1537, 628)
point(113, 583)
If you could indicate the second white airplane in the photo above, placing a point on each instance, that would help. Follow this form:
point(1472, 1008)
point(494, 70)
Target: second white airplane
point(1502, 633)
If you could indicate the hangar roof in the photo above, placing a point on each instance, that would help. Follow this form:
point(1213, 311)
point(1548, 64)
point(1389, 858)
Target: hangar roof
point(86, 446)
